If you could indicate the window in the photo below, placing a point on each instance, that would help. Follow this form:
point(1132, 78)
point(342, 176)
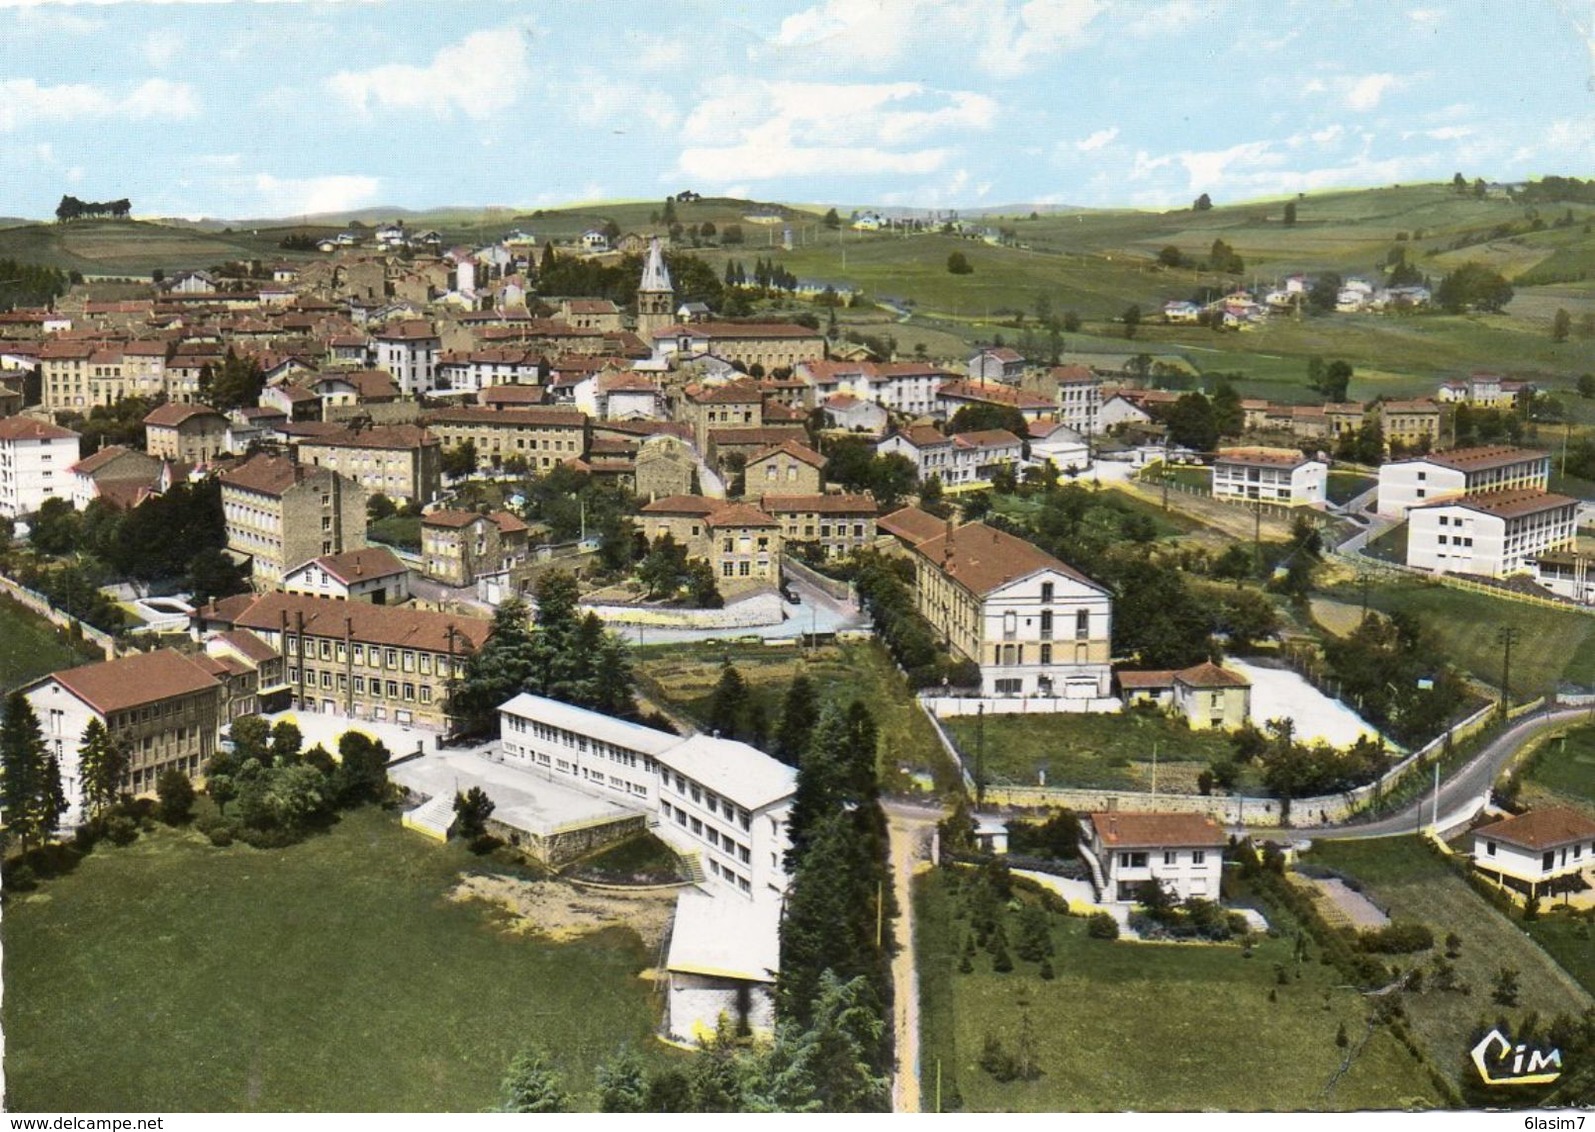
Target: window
point(393, 689)
point(1198, 856)
point(1170, 857)
point(1082, 624)
point(392, 658)
point(1046, 594)
point(1489, 848)
point(1132, 860)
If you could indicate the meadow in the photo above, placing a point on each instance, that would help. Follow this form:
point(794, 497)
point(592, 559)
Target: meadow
point(334, 975)
point(1102, 1045)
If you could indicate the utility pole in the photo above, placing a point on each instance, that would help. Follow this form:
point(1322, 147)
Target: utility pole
point(1506, 635)
point(1257, 535)
point(1437, 797)
point(1165, 471)
point(980, 756)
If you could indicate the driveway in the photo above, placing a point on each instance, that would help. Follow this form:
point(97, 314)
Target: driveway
point(816, 612)
point(909, 829)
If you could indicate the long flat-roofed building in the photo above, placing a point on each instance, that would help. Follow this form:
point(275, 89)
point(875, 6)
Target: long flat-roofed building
point(1271, 475)
point(1494, 534)
point(1405, 484)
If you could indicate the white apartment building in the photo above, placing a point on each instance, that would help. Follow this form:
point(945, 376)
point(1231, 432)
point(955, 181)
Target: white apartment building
point(909, 388)
point(1182, 852)
point(1405, 484)
point(722, 801)
point(1079, 398)
point(409, 351)
point(1272, 475)
point(1494, 534)
point(963, 460)
point(36, 460)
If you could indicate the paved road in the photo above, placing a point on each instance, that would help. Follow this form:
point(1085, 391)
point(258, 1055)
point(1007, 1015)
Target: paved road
point(816, 612)
point(909, 828)
point(1463, 794)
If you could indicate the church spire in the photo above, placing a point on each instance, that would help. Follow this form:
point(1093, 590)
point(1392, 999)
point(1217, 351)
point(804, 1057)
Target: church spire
point(655, 276)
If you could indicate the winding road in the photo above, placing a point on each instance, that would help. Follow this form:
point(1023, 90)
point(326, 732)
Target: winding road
point(1465, 792)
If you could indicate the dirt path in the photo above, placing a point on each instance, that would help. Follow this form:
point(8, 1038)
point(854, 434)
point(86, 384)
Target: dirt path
point(560, 911)
point(910, 833)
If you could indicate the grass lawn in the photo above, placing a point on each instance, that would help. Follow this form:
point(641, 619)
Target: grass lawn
point(682, 677)
point(396, 530)
point(30, 647)
point(1346, 486)
point(1404, 877)
point(1133, 1026)
point(643, 859)
point(1564, 770)
point(1390, 546)
point(1555, 646)
point(1024, 508)
point(1568, 940)
point(330, 976)
point(1090, 750)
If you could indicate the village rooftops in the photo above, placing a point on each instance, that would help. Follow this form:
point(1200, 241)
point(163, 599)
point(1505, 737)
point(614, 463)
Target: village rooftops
point(993, 394)
point(382, 436)
point(982, 558)
point(131, 681)
point(912, 525)
point(410, 329)
point(682, 505)
point(1541, 830)
point(268, 475)
point(737, 330)
point(795, 449)
point(532, 417)
point(1506, 504)
point(1155, 831)
point(1072, 375)
point(985, 438)
point(454, 520)
point(731, 393)
point(1204, 675)
point(739, 515)
point(725, 939)
point(1478, 459)
point(398, 626)
point(171, 414)
point(923, 436)
point(744, 774)
point(26, 428)
point(831, 504)
point(362, 565)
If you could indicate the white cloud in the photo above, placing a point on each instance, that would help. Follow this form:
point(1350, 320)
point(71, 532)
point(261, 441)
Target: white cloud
point(1019, 38)
point(54, 18)
point(1167, 19)
point(1097, 140)
point(773, 129)
point(266, 195)
point(479, 76)
point(1262, 168)
point(1364, 93)
point(874, 33)
point(1426, 17)
point(161, 48)
point(24, 102)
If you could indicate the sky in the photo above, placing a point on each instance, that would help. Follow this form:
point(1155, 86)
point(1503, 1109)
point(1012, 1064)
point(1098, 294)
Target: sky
point(249, 110)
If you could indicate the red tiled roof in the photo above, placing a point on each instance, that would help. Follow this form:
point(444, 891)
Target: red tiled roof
point(1541, 829)
point(982, 558)
point(793, 448)
point(912, 525)
point(1152, 831)
point(394, 625)
point(1507, 504)
point(823, 504)
point(26, 428)
point(681, 505)
point(130, 681)
point(363, 564)
point(172, 414)
point(1209, 675)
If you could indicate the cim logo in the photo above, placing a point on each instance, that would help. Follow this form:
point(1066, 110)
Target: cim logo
point(1500, 1062)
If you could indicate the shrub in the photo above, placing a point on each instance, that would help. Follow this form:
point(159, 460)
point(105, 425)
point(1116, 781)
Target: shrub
point(1397, 939)
point(996, 1059)
point(1047, 972)
point(1101, 925)
point(220, 836)
point(121, 830)
point(21, 878)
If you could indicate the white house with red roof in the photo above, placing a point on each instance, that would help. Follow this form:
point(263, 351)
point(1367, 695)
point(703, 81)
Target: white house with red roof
point(1553, 847)
point(1184, 853)
point(371, 573)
